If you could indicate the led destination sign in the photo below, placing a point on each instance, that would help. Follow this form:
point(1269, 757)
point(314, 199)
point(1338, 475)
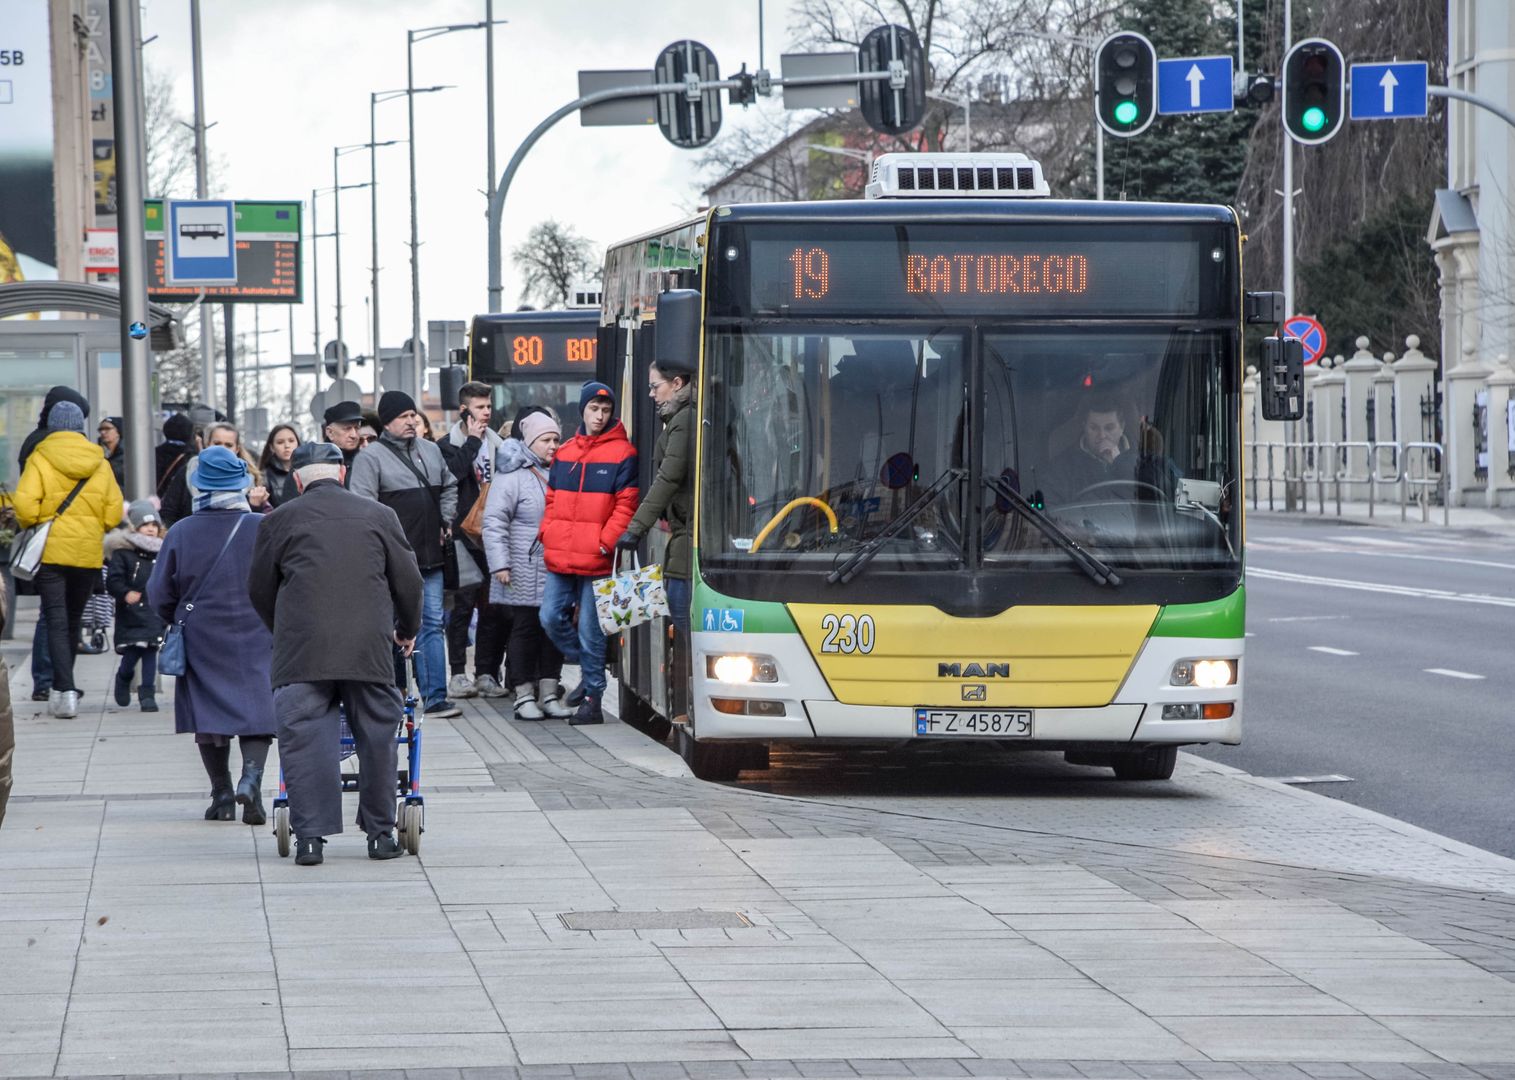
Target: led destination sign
point(886, 270)
point(522, 348)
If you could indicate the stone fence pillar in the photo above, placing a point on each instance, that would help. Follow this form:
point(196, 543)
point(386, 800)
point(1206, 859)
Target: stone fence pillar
point(1500, 447)
point(1466, 430)
point(1358, 373)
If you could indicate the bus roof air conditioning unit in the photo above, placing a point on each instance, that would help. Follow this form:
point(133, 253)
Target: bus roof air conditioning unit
point(957, 176)
point(583, 294)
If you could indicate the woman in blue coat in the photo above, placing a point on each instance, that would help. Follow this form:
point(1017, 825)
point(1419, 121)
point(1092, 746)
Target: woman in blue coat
point(225, 692)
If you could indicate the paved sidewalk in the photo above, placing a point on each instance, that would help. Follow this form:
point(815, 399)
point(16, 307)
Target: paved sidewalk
point(584, 908)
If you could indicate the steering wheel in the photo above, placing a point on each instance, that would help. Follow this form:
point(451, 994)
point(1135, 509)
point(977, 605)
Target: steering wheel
point(1162, 496)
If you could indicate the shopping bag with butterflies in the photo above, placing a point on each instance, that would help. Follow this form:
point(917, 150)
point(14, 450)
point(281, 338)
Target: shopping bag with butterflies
point(630, 597)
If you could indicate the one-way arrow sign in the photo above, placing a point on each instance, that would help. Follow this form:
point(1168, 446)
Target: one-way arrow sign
point(1388, 91)
point(1194, 84)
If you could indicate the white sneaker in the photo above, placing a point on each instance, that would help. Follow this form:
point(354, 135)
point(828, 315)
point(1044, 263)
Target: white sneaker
point(486, 686)
point(460, 686)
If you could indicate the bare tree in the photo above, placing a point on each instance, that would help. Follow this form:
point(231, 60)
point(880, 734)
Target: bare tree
point(169, 147)
point(551, 260)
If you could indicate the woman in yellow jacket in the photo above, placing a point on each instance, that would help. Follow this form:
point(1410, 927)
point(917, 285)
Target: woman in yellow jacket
point(75, 550)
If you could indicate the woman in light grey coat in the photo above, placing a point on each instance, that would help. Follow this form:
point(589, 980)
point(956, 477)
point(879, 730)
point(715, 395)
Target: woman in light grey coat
point(512, 518)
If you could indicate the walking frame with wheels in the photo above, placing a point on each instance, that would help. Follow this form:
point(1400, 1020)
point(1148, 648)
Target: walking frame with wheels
point(409, 814)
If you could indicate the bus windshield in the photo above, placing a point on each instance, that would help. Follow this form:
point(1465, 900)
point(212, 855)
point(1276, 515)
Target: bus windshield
point(1123, 437)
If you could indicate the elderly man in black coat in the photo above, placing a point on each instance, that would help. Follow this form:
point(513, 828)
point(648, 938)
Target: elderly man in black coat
point(336, 582)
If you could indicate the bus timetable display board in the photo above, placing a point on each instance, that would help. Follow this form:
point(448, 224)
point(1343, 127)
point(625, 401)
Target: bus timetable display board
point(889, 270)
point(507, 350)
point(268, 256)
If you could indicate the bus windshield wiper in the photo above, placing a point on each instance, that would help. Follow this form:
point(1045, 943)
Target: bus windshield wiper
point(1097, 569)
point(864, 555)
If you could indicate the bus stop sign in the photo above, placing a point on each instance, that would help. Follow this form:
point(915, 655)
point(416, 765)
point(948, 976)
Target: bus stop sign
point(887, 107)
point(687, 121)
point(1311, 335)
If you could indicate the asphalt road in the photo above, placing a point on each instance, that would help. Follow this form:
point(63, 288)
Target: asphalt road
point(1384, 655)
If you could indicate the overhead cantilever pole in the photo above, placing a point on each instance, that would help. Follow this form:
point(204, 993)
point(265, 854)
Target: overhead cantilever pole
point(692, 88)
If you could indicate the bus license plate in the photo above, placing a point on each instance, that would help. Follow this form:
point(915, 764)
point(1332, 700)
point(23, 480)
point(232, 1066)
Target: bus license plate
point(975, 723)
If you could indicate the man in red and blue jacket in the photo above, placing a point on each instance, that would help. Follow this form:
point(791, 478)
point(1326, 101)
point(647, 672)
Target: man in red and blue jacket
point(591, 497)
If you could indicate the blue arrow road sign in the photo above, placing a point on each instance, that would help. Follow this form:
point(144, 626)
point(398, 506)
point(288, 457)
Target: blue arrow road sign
point(1194, 84)
point(1388, 91)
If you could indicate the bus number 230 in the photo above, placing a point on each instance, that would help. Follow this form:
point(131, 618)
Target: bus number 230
point(847, 634)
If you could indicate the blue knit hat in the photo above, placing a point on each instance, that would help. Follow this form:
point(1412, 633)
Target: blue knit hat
point(592, 390)
point(220, 470)
point(65, 416)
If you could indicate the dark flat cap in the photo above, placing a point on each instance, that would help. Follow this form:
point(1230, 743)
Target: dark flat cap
point(343, 412)
point(315, 453)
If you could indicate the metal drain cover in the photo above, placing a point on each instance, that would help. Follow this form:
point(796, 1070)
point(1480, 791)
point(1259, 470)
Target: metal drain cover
point(654, 920)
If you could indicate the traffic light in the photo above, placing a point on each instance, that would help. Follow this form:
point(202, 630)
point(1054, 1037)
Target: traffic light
point(1314, 90)
point(1125, 83)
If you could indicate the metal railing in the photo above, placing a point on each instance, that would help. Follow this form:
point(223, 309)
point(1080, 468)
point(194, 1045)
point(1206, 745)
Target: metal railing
point(1416, 469)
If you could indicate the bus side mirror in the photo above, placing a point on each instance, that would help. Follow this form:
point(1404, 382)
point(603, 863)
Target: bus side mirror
point(677, 335)
point(1283, 378)
point(1265, 309)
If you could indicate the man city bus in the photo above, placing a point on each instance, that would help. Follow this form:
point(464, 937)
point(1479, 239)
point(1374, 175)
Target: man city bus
point(968, 468)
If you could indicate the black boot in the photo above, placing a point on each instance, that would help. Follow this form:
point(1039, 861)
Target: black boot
point(249, 795)
point(223, 800)
point(146, 700)
point(123, 688)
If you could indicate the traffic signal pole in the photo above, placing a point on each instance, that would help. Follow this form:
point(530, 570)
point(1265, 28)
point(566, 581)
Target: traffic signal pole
point(1291, 463)
point(691, 88)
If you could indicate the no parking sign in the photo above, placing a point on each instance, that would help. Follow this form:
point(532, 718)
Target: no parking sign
point(1310, 333)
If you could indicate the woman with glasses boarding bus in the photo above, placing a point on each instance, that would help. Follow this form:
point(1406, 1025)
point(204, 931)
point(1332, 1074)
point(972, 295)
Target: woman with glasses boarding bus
point(967, 468)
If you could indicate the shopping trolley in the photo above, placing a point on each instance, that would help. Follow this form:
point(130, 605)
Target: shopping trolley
point(410, 814)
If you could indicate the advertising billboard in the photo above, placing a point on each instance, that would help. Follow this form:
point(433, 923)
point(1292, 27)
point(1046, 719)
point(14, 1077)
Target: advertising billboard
point(27, 241)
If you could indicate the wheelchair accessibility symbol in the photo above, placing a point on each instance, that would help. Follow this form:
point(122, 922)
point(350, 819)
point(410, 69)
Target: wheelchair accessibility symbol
point(729, 620)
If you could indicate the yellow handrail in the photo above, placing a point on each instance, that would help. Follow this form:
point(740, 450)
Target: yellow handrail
point(803, 500)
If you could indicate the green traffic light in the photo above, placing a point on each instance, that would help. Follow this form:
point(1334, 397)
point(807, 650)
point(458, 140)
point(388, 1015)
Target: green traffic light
point(1126, 112)
point(1313, 119)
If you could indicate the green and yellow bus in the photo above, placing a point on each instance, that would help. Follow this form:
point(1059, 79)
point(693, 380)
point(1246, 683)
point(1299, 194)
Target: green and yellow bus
point(968, 467)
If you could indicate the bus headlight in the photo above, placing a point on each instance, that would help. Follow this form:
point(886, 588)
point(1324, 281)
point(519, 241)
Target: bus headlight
point(1204, 674)
point(741, 668)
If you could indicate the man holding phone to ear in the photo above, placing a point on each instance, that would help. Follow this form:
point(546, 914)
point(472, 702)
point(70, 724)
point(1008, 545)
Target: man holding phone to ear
point(469, 448)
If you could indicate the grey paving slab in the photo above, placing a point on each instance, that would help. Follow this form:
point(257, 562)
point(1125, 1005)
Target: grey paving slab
point(627, 1046)
point(1458, 1038)
point(846, 1042)
point(866, 1003)
point(1294, 1038)
point(1231, 997)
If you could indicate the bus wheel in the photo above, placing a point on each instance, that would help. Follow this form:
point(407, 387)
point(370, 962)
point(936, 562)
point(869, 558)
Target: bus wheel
point(711, 761)
point(1153, 763)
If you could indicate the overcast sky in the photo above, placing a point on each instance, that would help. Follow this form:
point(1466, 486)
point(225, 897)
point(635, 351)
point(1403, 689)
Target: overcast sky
point(286, 80)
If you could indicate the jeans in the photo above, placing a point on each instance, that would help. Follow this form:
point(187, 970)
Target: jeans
point(584, 646)
point(149, 668)
point(42, 662)
point(678, 602)
point(64, 591)
point(431, 648)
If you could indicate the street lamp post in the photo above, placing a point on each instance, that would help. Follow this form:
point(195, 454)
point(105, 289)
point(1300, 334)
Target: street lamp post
point(337, 188)
point(411, 37)
point(374, 99)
